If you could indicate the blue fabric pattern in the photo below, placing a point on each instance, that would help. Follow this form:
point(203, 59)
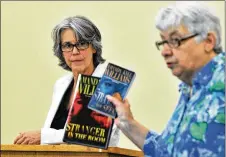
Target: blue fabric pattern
point(197, 126)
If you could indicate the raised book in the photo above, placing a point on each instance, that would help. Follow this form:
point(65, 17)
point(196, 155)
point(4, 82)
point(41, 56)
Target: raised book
point(115, 79)
point(85, 126)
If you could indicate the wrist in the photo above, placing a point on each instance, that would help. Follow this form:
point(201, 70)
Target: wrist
point(126, 125)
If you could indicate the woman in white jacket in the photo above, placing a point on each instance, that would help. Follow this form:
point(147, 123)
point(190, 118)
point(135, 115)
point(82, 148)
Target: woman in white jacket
point(77, 44)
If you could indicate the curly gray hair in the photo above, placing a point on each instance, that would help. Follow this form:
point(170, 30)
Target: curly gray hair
point(195, 16)
point(84, 30)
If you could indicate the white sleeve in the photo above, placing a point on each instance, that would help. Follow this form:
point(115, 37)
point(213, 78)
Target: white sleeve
point(115, 135)
point(51, 136)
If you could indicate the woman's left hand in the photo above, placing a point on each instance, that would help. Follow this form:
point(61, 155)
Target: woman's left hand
point(29, 137)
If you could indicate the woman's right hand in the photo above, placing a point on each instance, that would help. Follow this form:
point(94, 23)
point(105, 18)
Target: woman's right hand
point(124, 113)
point(135, 131)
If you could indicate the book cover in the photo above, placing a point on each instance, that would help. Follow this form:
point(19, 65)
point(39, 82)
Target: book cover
point(115, 79)
point(85, 126)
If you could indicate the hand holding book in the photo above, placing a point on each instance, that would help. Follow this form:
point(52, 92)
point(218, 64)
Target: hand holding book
point(90, 117)
point(123, 110)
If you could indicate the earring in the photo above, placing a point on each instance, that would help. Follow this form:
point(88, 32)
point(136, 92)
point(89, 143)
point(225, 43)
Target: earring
point(207, 50)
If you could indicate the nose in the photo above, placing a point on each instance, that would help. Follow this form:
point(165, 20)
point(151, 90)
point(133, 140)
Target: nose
point(75, 50)
point(166, 51)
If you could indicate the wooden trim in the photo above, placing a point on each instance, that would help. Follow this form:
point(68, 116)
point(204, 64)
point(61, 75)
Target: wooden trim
point(69, 148)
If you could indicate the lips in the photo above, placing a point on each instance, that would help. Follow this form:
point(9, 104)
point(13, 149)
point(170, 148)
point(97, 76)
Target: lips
point(77, 60)
point(169, 64)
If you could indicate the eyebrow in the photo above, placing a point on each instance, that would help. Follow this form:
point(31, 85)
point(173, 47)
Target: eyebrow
point(173, 32)
point(66, 41)
point(170, 34)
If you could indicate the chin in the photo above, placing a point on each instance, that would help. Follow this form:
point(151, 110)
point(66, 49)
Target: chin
point(78, 69)
point(176, 73)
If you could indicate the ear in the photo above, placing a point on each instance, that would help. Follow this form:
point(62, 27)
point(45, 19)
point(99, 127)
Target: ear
point(210, 41)
point(94, 50)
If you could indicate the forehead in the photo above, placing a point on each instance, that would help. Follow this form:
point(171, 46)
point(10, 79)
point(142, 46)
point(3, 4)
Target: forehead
point(68, 35)
point(174, 31)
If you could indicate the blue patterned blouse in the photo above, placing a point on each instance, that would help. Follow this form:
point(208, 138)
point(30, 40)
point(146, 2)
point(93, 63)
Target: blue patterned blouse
point(197, 126)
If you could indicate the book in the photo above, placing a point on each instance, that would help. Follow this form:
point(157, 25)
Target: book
point(85, 126)
point(115, 79)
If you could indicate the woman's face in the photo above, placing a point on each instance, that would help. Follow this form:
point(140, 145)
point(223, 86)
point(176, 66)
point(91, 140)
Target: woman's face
point(189, 57)
point(80, 61)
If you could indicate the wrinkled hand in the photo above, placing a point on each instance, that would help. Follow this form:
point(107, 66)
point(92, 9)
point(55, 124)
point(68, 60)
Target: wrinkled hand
point(125, 115)
point(29, 137)
point(135, 131)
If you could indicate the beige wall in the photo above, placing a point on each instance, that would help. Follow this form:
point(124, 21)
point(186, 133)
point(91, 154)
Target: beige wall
point(29, 69)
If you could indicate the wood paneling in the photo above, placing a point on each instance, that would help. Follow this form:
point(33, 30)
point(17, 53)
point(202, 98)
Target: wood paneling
point(65, 151)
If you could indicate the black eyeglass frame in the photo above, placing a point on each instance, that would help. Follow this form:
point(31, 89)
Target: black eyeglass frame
point(76, 45)
point(177, 40)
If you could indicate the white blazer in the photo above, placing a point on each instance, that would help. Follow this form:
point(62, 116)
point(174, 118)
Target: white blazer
point(53, 136)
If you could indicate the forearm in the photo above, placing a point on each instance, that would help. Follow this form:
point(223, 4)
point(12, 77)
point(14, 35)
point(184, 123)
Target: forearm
point(135, 132)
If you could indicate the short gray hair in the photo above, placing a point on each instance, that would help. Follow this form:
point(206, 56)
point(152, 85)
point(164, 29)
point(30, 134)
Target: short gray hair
point(193, 15)
point(84, 30)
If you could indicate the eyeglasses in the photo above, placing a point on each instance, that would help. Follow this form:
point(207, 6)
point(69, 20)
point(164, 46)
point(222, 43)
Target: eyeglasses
point(173, 42)
point(80, 45)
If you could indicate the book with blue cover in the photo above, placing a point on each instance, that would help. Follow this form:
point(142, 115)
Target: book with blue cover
point(85, 126)
point(115, 79)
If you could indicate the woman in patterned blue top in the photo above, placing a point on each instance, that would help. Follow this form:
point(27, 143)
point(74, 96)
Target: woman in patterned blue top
point(191, 48)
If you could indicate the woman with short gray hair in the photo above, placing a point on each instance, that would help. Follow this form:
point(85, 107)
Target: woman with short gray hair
point(191, 48)
point(77, 44)
point(195, 17)
point(84, 30)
